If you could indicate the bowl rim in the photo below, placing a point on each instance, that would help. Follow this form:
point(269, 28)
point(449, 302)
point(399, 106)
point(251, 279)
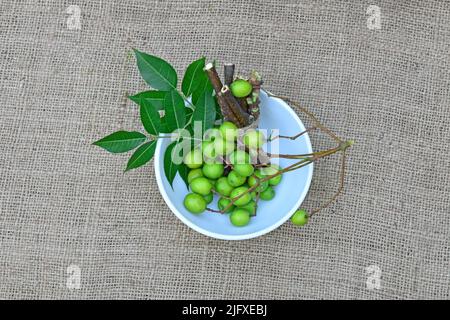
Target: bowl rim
point(159, 177)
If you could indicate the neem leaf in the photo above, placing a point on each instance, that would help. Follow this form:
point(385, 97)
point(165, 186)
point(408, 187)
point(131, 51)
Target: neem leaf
point(205, 86)
point(121, 141)
point(155, 98)
point(188, 112)
point(142, 155)
point(193, 77)
point(170, 168)
point(219, 115)
point(175, 116)
point(205, 111)
point(150, 117)
point(183, 170)
point(158, 73)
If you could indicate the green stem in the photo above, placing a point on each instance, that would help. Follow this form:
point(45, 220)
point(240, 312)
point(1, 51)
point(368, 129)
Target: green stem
point(191, 105)
point(300, 164)
point(294, 166)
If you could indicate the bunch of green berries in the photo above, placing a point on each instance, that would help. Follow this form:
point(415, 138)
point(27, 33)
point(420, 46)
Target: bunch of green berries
point(219, 166)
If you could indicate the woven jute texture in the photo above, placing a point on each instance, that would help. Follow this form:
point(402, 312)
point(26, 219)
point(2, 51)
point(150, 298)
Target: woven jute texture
point(64, 202)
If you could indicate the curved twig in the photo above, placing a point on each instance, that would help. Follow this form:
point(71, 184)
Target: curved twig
point(340, 188)
point(310, 115)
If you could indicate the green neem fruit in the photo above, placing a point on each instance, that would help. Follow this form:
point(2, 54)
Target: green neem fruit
point(194, 159)
point(212, 134)
point(209, 151)
point(300, 218)
point(250, 207)
point(275, 180)
point(240, 217)
point(223, 203)
point(208, 198)
point(229, 131)
point(201, 186)
point(254, 180)
point(223, 187)
point(194, 203)
point(254, 139)
point(244, 170)
point(271, 170)
point(205, 143)
point(223, 147)
point(195, 173)
point(241, 88)
point(239, 157)
point(235, 179)
point(213, 170)
point(243, 200)
point(267, 194)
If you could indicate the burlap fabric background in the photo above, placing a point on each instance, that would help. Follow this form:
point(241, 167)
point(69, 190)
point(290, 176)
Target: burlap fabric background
point(66, 202)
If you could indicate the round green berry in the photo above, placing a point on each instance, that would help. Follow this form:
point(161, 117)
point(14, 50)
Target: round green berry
point(241, 88)
point(267, 194)
point(254, 139)
point(271, 170)
point(201, 185)
point(235, 179)
point(275, 180)
point(223, 187)
point(213, 170)
point(240, 217)
point(212, 134)
point(239, 157)
point(208, 198)
point(244, 199)
point(244, 170)
point(300, 218)
point(228, 130)
point(209, 151)
point(195, 173)
point(194, 159)
point(223, 203)
point(223, 147)
point(254, 179)
point(250, 207)
point(194, 203)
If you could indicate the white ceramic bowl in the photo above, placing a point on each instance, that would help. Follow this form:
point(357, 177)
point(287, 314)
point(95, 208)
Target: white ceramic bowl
point(290, 193)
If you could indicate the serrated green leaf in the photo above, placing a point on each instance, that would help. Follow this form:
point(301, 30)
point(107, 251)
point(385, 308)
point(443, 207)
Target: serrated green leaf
point(150, 117)
point(170, 168)
point(158, 73)
point(175, 115)
point(155, 98)
point(183, 170)
point(142, 155)
point(193, 77)
point(121, 141)
point(205, 111)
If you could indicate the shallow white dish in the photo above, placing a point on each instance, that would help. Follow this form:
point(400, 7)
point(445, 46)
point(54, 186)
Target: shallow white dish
point(290, 193)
